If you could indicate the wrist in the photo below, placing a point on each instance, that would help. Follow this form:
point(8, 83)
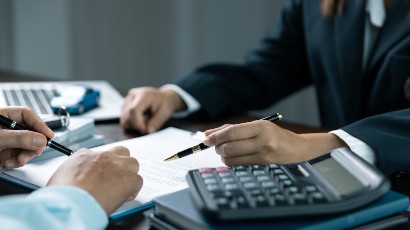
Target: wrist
point(177, 103)
point(318, 144)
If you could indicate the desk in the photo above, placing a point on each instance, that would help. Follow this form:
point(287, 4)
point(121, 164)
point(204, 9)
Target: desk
point(113, 133)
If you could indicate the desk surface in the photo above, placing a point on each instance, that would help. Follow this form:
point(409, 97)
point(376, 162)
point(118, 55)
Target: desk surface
point(113, 133)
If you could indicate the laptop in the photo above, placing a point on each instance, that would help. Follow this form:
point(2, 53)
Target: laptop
point(37, 96)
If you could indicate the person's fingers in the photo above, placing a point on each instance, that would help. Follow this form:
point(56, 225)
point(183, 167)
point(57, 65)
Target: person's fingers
point(210, 131)
point(18, 158)
point(137, 183)
point(28, 118)
point(125, 110)
point(119, 150)
point(158, 118)
point(23, 157)
point(137, 114)
point(232, 133)
point(22, 139)
point(237, 148)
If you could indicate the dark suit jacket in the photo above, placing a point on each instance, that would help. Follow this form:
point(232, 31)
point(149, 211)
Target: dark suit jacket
point(306, 48)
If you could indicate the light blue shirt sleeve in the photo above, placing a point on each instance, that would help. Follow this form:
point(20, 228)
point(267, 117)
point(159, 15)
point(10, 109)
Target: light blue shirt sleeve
point(53, 207)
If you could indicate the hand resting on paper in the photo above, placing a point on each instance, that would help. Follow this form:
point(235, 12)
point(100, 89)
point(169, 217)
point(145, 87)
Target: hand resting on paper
point(111, 176)
point(17, 147)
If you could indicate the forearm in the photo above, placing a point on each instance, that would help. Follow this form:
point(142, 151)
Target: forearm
point(317, 144)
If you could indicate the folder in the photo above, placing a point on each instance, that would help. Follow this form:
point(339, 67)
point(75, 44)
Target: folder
point(178, 211)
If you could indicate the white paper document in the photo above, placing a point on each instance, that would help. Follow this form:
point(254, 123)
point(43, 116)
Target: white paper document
point(159, 177)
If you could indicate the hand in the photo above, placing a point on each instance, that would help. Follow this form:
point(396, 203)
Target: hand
point(262, 142)
point(146, 109)
point(109, 176)
point(19, 146)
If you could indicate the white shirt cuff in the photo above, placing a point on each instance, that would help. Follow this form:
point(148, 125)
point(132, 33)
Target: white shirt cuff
point(357, 146)
point(191, 103)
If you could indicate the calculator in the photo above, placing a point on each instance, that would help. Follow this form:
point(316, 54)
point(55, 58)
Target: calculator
point(336, 182)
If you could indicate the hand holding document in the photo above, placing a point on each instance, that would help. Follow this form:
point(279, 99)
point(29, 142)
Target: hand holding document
point(159, 177)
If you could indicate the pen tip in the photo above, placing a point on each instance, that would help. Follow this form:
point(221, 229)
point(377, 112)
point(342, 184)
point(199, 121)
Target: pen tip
point(173, 157)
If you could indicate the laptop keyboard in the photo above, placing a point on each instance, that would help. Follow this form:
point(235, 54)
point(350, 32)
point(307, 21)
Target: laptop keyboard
point(38, 99)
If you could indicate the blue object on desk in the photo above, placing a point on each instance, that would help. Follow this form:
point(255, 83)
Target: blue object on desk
point(178, 210)
point(77, 99)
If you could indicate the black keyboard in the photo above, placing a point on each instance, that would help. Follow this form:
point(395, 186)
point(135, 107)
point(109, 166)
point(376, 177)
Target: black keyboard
point(261, 191)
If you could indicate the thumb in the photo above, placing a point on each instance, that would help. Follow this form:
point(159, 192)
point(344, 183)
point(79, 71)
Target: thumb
point(22, 139)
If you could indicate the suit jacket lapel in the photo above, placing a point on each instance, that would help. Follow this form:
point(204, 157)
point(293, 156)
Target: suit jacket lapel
point(396, 27)
point(349, 33)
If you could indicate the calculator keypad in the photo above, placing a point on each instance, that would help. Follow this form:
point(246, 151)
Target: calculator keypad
point(256, 186)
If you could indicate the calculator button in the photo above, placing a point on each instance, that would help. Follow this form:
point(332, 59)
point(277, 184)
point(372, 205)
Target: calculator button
point(207, 175)
point(254, 192)
point(273, 191)
point(242, 173)
point(286, 183)
point(233, 189)
point(278, 171)
point(245, 178)
point(273, 166)
point(310, 188)
point(292, 189)
point(258, 172)
point(239, 168)
point(215, 189)
point(227, 180)
point(317, 197)
point(210, 181)
point(250, 185)
point(241, 201)
point(225, 174)
point(222, 202)
point(205, 170)
point(280, 199)
point(256, 167)
point(263, 178)
point(268, 184)
point(223, 170)
point(261, 201)
point(283, 177)
point(299, 198)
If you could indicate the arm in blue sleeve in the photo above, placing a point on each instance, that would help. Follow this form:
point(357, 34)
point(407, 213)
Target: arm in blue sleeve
point(53, 207)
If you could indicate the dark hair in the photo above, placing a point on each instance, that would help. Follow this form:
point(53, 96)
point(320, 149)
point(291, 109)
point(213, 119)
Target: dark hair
point(330, 8)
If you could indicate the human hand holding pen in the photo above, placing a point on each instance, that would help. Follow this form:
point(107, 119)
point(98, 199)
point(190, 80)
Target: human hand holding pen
point(17, 147)
point(262, 142)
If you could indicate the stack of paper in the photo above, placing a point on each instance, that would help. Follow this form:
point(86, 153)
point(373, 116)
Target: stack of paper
point(79, 134)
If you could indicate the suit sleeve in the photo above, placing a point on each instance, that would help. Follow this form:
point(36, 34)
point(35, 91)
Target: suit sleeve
point(389, 135)
point(277, 69)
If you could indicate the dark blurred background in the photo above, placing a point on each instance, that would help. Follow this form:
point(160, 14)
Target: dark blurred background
point(134, 43)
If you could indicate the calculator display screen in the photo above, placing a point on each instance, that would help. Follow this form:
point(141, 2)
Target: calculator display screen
point(341, 179)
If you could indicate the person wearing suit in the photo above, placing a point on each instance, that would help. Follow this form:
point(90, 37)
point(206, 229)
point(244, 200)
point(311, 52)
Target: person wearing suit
point(355, 53)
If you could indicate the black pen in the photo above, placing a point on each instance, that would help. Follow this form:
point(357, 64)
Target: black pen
point(54, 145)
point(197, 148)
